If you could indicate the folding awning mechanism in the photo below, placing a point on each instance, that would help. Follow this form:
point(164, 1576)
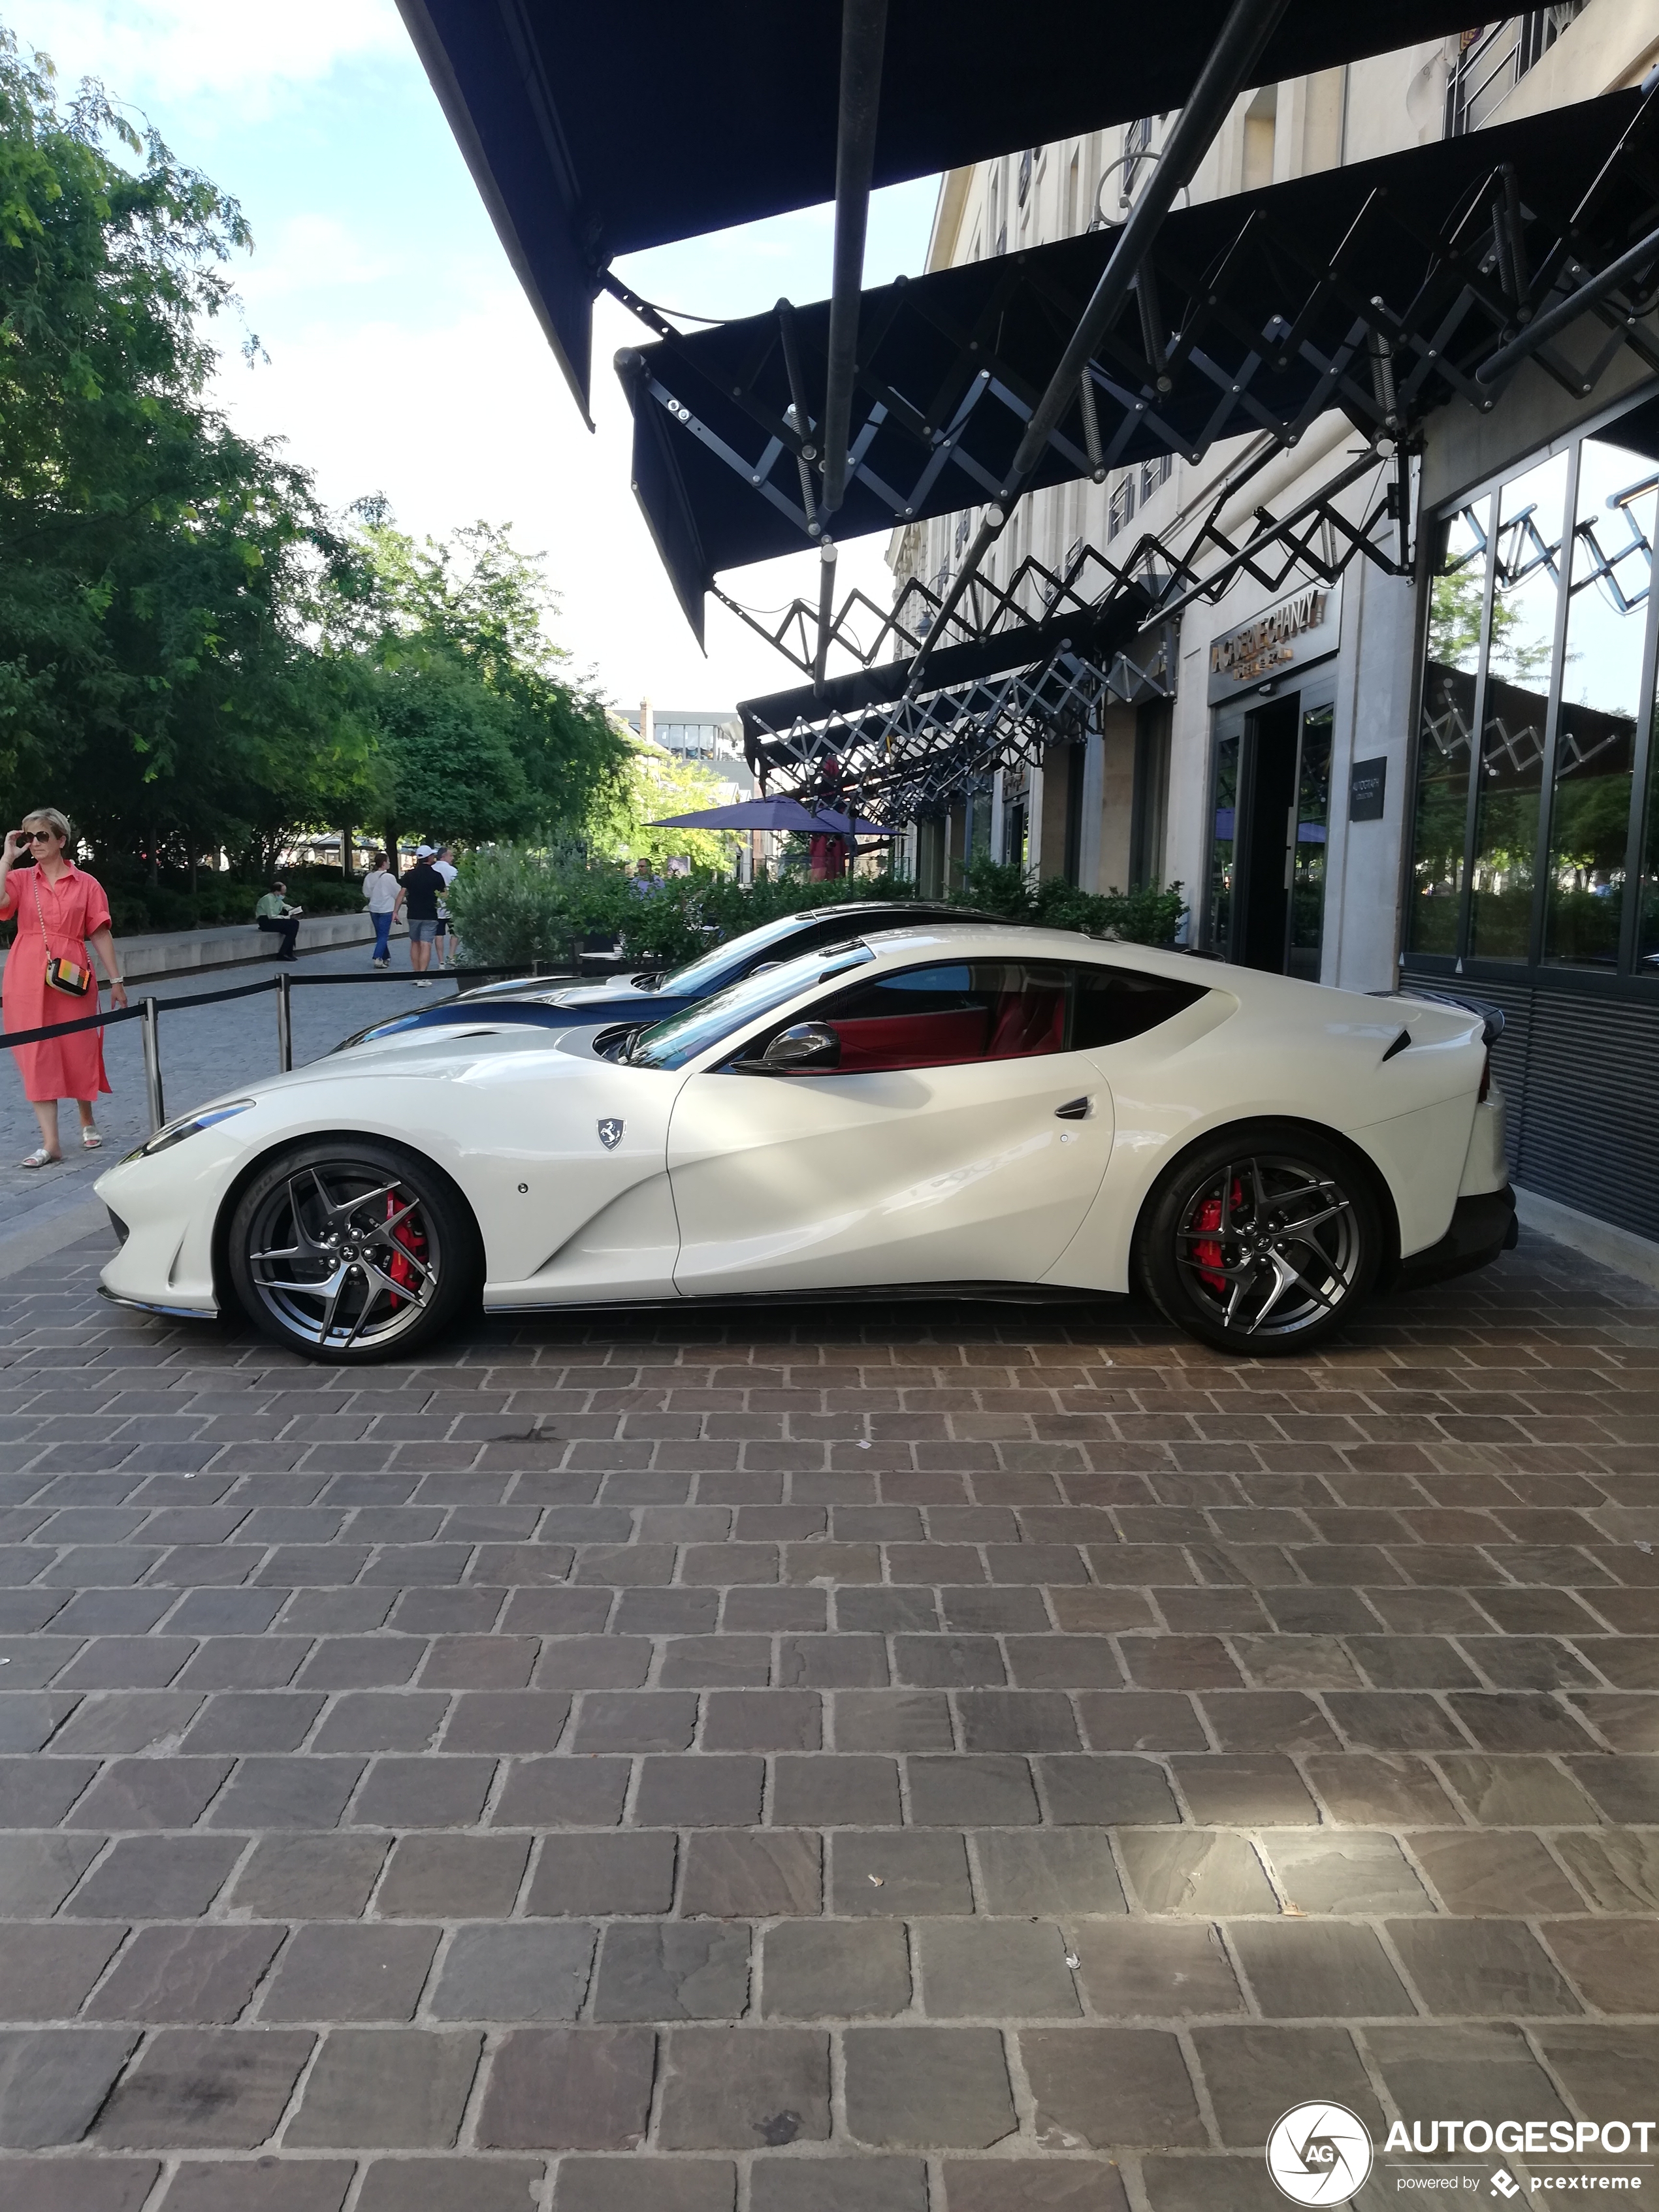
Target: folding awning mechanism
point(1029, 664)
point(596, 131)
point(1381, 289)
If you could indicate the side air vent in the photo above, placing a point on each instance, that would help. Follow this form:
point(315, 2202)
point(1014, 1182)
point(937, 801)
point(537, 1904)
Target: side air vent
point(1399, 1044)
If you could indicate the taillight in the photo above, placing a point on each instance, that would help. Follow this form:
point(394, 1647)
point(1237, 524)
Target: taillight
point(1485, 1079)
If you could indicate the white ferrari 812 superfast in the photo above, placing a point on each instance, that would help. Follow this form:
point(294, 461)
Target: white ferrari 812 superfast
point(944, 1107)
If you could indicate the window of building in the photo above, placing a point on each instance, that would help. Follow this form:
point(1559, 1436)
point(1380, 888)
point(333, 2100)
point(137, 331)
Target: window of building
point(1027, 161)
point(1530, 811)
point(1445, 742)
point(1594, 757)
point(1155, 474)
point(1492, 59)
point(1073, 179)
point(1120, 505)
point(1136, 144)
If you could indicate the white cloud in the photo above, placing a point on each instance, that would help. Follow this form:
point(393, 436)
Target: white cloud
point(253, 50)
point(471, 419)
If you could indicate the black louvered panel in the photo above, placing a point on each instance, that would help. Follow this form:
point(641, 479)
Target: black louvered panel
point(1588, 1132)
point(1509, 1055)
point(1580, 1073)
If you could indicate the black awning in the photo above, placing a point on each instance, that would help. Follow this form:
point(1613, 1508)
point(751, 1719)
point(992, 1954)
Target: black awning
point(594, 131)
point(1269, 306)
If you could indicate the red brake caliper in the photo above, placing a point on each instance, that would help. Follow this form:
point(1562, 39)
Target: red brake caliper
point(1208, 1254)
point(400, 1270)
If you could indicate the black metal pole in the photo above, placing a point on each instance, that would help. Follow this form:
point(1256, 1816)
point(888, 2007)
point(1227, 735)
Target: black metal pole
point(1249, 25)
point(863, 35)
point(1545, 326)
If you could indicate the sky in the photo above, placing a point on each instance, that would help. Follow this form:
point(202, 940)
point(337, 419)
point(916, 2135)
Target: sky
point(402, 359)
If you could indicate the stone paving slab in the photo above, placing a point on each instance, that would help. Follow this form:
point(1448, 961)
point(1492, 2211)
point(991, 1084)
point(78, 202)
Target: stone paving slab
point(926, 1759)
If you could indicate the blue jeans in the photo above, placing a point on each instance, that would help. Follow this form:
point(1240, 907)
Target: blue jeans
point(382, 935)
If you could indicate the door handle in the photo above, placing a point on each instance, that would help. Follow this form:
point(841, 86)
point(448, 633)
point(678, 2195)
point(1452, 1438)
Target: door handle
point(1076, 1110)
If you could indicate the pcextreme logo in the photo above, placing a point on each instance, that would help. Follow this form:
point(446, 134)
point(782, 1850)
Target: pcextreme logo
point(1318, 2154)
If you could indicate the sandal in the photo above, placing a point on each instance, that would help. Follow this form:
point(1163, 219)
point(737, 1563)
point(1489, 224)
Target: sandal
point(40, 1158)
point(91, 1139)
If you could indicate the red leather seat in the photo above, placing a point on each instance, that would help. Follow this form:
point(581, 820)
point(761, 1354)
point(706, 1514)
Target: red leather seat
point(1028, 1022)
point(932, 1040)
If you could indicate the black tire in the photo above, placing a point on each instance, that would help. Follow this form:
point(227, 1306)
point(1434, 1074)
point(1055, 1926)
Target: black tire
point(348, 1250)
point(1261, 1240)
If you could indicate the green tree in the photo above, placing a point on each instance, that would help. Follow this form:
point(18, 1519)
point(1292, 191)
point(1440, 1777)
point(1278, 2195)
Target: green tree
point(481, 733)
point(158, 573)
point(652, 783)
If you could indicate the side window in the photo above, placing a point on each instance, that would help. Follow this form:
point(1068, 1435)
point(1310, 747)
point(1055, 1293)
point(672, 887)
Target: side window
point(949, 1014)
point(1115, 1004)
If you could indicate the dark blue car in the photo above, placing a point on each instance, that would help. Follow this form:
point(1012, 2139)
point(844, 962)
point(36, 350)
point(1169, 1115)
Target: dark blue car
point(654, 997)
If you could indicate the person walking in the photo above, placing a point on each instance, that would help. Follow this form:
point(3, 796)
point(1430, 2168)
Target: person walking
point(60, 911)
point(417, 896)
point(275, 915)
point(381, 896)
point(445, 865)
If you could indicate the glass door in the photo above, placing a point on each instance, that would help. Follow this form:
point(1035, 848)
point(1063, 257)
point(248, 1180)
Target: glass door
point(1306, 924)
point(1271, 818)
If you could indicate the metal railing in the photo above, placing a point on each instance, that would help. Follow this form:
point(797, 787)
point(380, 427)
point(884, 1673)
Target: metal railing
point(149, 1010)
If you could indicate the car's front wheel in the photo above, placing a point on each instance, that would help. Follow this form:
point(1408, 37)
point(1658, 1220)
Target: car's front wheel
point(349, 1250)
point(1262, 1239)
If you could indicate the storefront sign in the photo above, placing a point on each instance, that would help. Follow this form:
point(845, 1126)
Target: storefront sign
point(1368, 784)
point(1278, 642)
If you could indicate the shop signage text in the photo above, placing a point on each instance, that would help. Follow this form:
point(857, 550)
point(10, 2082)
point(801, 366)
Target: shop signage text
point(1304, 627)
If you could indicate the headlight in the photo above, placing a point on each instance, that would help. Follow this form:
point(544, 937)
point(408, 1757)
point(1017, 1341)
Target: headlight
point(187, 1125)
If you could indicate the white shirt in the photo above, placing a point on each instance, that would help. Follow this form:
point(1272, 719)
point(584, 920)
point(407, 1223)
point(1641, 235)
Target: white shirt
point(380, 890)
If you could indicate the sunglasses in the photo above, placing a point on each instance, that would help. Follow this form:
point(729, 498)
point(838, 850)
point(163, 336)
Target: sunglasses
point(38, 836)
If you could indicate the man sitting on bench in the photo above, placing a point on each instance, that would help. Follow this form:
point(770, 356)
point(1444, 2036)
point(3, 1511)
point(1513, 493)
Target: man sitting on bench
point(274, 913)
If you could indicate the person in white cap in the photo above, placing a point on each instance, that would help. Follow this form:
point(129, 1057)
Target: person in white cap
point(444, 862)
point(419, 895)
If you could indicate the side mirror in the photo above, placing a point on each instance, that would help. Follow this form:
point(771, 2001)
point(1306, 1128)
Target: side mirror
point(804, 1045)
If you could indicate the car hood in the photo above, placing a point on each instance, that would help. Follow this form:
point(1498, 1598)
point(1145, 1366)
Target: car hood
point(445, 1055)
point(605, 994)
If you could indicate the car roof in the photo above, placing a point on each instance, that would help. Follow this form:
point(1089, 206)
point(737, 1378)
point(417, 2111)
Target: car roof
point(993, 940)
point(935, 910)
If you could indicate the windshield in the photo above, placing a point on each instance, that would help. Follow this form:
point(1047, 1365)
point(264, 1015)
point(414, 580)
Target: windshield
point(684, 1036)
point(710, 970)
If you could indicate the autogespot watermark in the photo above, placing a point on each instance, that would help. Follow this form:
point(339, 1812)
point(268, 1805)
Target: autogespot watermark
point(1320, 2152)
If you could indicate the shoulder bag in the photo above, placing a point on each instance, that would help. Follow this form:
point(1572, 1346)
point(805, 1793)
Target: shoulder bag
point(65, 976)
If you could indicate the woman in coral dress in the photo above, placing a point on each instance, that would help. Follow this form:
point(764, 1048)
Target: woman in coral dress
point(59, 912)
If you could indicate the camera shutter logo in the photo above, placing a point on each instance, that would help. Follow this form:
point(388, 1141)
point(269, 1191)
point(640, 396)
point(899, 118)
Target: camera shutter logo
point(1318, 2154)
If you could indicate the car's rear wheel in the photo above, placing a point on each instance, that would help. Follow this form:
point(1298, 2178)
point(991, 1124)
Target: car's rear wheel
point(1261, 1240)
point(349, 1250)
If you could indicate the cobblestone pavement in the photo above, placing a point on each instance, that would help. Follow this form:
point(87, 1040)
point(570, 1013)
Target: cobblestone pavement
point(912, 1759)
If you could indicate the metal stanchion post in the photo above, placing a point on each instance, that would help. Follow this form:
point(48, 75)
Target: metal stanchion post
point(284, 1026)
point(158, 1112)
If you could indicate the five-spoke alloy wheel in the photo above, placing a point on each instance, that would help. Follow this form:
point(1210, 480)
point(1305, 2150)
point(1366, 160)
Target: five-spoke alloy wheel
point(348, 1249)
point(1262, 1239)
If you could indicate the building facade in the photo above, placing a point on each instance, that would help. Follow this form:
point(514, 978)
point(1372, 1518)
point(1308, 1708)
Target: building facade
point(1446, 772)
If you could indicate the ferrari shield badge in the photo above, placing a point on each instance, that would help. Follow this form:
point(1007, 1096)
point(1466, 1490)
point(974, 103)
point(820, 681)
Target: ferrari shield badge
point(610, 1134)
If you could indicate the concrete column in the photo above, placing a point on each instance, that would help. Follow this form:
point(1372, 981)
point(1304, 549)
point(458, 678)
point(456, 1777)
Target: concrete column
point(1093, 803)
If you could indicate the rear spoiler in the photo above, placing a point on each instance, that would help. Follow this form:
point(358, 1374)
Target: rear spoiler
point(1492, 1016)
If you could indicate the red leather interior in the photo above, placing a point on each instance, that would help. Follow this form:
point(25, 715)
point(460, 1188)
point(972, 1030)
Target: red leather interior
point(1018, 1025)
point(1029, 1022)
point(935, 1039)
